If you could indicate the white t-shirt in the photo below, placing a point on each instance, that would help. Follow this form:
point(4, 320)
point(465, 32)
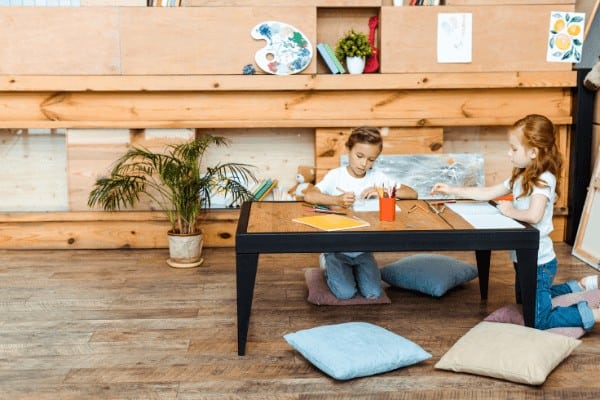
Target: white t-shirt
point(339, 178)
point(546, 250)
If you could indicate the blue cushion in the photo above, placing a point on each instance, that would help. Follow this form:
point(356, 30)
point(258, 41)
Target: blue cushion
point(353, 349)
point(432, 274)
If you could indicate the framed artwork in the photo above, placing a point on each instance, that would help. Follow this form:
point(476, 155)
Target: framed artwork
point(565, 37)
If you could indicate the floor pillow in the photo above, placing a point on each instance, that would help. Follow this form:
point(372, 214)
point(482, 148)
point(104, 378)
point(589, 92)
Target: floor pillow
point(507, 351)
point(319, 293)
point(354, 349)
point(432, 274)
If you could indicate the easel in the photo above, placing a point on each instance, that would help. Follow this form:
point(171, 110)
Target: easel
point(587, 245)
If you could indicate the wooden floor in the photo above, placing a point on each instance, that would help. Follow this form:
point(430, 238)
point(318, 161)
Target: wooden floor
point(121, 324)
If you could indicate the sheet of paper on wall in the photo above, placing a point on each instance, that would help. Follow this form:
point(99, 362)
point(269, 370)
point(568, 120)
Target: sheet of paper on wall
point(455, 38)
point(483, 215)
point(565, 37)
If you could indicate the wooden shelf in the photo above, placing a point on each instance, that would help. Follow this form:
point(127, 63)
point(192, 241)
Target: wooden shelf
point(262, 83)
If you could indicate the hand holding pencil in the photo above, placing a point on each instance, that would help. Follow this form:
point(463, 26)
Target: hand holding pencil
point(346, 199)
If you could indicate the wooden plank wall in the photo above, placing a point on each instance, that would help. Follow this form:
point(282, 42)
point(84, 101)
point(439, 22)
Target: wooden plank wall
point(497, 44)
point(91, 152)
point(130, 70)
point(138, 40)
point(330, 144)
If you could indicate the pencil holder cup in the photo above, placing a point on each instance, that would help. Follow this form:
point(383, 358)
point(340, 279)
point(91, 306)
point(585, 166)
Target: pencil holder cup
point(387, 209)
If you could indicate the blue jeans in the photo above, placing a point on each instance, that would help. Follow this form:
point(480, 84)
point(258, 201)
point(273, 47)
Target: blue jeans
point(347, 276)
point(546, 316)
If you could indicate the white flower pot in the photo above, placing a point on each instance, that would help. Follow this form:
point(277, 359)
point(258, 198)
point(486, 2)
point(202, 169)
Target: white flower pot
point(185, 251)
point(356, 65)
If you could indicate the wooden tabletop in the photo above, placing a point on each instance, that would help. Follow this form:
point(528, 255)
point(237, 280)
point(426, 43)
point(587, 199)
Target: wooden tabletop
point(277, 217)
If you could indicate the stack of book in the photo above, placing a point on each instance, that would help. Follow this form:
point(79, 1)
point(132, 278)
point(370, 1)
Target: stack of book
point(424, 2)
point(164, 3)
point(263, 188)
point(328, 55)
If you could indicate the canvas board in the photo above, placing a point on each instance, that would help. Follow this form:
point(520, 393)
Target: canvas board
point(587, 241)
point(422, 171)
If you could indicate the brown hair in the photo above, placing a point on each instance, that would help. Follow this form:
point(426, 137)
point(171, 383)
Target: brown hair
point(364, 134)
point(537, 132)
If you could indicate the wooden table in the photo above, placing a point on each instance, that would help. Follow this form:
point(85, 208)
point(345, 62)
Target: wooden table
point(267, 227)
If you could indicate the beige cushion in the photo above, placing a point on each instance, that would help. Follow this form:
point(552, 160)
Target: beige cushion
point(506, 351)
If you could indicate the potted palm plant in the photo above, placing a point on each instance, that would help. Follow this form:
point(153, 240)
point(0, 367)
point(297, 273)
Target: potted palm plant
point(176, 180)
point(353, 47)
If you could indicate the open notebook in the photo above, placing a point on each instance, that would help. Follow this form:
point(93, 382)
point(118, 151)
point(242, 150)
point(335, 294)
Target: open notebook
point(331, 222)
point(483, 215)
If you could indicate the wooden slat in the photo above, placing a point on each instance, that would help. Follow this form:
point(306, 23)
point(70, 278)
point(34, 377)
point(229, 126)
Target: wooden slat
point(409, 37)
point(302, 82)
point(330, 144)
point(283, 109)
point(59, 40)
point(100, 230)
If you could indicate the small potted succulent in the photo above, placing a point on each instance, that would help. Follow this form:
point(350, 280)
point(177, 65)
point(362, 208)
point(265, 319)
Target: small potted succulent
point(353, 47)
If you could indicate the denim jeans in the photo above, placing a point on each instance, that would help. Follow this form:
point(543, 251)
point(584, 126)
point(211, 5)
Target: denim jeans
point(546, 316)
point(347, 276)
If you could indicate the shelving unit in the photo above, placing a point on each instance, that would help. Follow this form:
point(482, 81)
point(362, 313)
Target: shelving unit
point(153, 67)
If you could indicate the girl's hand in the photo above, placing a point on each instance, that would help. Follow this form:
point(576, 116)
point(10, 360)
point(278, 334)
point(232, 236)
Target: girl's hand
point(506, 207)
point(441, 188)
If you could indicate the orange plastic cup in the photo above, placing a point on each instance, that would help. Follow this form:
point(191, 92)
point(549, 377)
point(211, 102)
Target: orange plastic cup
point(387, 209)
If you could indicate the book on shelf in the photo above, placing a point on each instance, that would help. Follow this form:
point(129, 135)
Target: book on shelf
point(424, 2)
point(268, 189)
point(337, 62)
point(327, 58)
point(257, 191)
point(331, 222)
point(163, 3)
point(263, 189)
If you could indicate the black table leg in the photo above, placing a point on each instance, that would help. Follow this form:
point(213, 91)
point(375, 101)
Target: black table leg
point(483, 267)
point(246, 266)
point(527, 272)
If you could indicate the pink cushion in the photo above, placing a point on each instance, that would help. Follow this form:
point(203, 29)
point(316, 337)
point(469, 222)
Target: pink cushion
point(512, 313)
point(319, 293)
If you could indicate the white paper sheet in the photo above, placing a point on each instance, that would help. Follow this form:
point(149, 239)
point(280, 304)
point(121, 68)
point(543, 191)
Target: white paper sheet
point(483, 215)
point(455, 38)
point(363, 205)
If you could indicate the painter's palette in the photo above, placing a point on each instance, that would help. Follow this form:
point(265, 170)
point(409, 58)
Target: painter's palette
point(287, 51)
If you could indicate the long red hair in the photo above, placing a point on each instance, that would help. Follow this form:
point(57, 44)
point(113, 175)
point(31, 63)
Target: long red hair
point(537, 131)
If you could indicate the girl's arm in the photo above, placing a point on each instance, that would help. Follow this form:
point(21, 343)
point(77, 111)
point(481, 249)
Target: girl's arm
point(471, 192)
point(314, 196)
point(406, 192)
point(532, 215)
